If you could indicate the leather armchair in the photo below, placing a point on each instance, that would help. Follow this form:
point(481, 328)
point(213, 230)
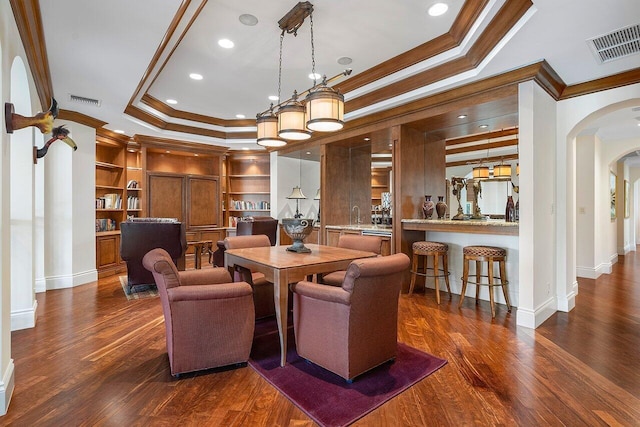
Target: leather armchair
point(249, 226)
point(352, 241)
point(351, 329)
point(262, 289)
point(209, 320)
point(140, 236)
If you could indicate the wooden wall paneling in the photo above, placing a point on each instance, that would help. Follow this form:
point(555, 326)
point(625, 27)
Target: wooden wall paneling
point(165, 195)
point(334, 193)
point(203, 201)
point(360, 183)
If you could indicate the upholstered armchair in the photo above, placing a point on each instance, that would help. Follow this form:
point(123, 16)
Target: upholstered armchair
point(209, 319)
point(352, 241)
point(140, 236)
point(351, 329)
point(262, 289)
point(249, 226)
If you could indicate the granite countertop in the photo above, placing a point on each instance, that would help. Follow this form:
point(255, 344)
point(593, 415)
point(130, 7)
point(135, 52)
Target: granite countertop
point(362, 227)
point(475, 222)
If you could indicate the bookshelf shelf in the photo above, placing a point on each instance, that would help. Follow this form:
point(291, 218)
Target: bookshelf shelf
point(248, 185)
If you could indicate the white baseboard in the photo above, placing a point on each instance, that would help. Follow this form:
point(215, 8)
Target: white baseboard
point(69, 281)
point(24, 319)
point(594, 272)
point(532, 319)
point(568, 302)
point(6, 388)
point(41, 285)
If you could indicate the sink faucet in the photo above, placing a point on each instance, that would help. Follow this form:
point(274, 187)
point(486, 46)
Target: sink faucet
point(357, 209)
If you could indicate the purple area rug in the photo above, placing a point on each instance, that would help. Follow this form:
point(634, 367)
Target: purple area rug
point(325, 397)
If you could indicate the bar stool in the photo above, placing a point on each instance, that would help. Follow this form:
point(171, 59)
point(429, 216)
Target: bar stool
point(488, 254)
point(436, 250)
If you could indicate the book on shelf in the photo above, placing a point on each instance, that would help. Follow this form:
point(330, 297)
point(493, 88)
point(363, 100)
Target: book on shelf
point(246, 205)
point(105, 224)
point(133, 202)
point(111, 201)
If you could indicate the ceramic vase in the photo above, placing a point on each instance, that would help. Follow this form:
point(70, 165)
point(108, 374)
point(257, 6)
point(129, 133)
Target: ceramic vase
point(428, 207)
point(441, 207)
point(510, 210)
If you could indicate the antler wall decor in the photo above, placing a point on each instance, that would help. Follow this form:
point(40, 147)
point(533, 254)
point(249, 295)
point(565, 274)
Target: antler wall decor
point(44, 122)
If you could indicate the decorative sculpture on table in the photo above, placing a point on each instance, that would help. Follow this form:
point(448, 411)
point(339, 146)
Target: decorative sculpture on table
point(43, 121)
point(458, 184)
point(477, 193)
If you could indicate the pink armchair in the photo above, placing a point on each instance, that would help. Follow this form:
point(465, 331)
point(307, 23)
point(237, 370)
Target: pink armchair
point(351, 329)
point(262, 288)
point(209, 320)
point(352, 241)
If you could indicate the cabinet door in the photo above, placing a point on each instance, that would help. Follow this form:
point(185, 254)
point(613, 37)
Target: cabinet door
point(107, 251)
point(203, 202)
point(165, 196)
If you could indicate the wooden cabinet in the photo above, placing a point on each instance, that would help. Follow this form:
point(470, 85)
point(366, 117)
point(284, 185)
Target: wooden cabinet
point(380, 178)
point(247, 186)
point(313, 237)
point(333, 235)
point(110, 201)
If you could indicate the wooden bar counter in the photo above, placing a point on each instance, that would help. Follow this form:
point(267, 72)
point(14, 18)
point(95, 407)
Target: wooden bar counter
point(490, 226)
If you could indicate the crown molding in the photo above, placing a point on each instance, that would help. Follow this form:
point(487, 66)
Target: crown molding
point(74, 116)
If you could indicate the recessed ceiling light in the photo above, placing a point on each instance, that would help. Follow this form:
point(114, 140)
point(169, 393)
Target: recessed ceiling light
point(172, 101)
point(131, 150)
point(245, 148)
point(345, 60)
point(225, 43)
point(167, 151)
point(367, 139)
point(483, 126)
point(195, 76)
point(273, 97)
point(196, 154)
point(240, 116)
point(248, 19)
point(438, 9)
point(462, 116)
point(308, 153)
point(118, 131)
point(315, 76)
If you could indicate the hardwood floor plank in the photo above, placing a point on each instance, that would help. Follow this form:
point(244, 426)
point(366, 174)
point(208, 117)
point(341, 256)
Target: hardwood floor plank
point(97, 359)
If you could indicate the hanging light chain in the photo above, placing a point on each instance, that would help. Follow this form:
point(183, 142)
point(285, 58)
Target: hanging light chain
point(280, 66)
point(313, 50)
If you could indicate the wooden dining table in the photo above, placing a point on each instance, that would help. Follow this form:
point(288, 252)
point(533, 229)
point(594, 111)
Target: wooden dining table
point(282, 267)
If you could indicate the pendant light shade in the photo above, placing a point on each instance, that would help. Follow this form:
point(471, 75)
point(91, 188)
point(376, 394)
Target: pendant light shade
point(267, 129)
point(292, 120)
point(325, 109)
point(502, 171)
point(481, 172)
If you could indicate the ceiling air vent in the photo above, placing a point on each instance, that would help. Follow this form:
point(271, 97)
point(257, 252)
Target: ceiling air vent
point(616, 45)
point(84, 100)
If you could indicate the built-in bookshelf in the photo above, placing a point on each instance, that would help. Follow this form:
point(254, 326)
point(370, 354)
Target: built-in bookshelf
point(134, 189)
point(248, 186)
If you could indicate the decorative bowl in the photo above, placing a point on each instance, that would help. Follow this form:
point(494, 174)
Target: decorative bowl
point(298, 229)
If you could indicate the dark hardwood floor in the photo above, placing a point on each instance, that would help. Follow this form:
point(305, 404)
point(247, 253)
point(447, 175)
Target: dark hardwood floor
point(95, 358)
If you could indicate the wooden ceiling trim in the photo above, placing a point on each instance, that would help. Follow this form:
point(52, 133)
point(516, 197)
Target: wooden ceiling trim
point(482, 136)
point(109, 136)
point(173, 144)
point(483, 147)
point(494, 159)
point(29, 22)
point(179, 114)
point(605, 83)
point(74, 116)
point(505, 19)
point(469, 13)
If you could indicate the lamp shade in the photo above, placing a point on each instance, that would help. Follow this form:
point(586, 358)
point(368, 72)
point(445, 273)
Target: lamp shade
point(502, 171)
point(267, 130)
point(325, 109)
point(317, 195)
point(481, 172)
point(296, 194)
point(292, 120)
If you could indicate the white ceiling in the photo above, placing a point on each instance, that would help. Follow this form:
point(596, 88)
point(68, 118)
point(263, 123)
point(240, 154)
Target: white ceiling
point(104, 49)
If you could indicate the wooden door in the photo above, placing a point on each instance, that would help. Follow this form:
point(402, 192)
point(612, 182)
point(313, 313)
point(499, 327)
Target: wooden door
point(203, 202)
point(166, 195)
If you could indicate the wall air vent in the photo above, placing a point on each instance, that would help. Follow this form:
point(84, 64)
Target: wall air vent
point(84, 100)
point(617, 44)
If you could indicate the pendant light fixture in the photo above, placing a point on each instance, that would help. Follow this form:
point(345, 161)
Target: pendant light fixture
point(502, 170)
point(321, 110)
